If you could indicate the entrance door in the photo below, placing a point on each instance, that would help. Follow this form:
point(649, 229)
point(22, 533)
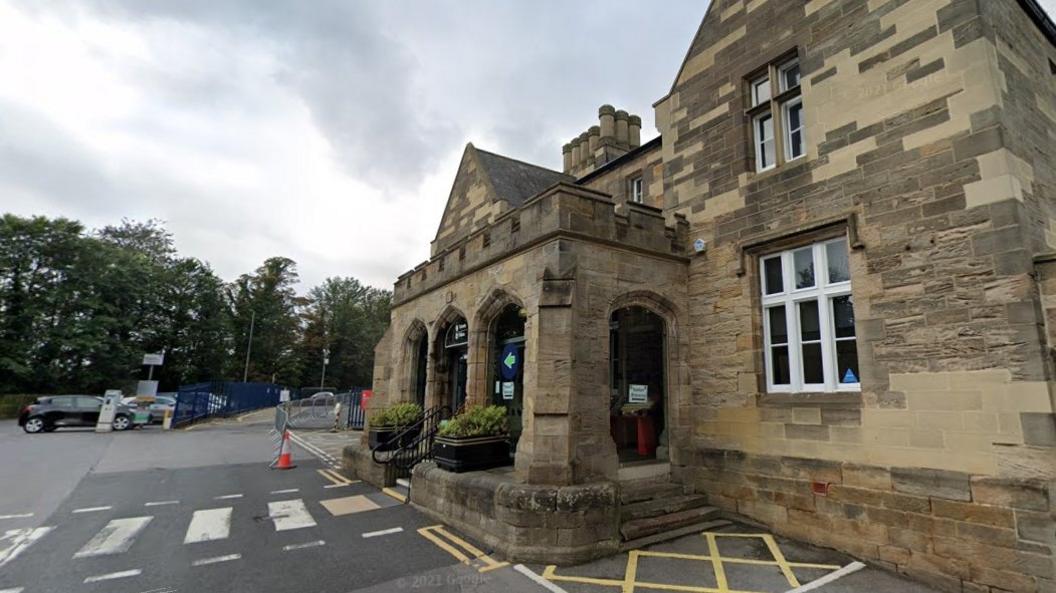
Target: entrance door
point(636, 342)
point(456, 350)
point(420, 363)
point(508, 369)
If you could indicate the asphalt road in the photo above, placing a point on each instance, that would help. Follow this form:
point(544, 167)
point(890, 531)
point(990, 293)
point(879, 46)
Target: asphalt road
point(199, 511)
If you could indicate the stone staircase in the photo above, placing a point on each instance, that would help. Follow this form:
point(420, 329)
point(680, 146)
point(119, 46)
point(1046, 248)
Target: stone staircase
point(655, 510)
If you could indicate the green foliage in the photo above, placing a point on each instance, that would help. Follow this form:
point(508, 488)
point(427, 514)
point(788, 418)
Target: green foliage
point(404, 414)
point(477, 421)
point(78, 309)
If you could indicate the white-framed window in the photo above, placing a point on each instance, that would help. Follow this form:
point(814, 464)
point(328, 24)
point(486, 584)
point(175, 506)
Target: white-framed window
point(789, 75)
point(637, 190)
point(761, 90)
point(763, 134)
point(792, 121)
point(808, 319)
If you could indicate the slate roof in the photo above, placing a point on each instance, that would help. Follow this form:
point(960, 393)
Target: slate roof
point(516, 181)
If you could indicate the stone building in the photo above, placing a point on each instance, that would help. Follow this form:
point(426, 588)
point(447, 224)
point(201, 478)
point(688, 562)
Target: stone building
point(828, 286)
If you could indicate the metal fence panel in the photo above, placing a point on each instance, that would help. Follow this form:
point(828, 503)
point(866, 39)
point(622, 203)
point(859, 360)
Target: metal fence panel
point(341, 411)
point(221, 398)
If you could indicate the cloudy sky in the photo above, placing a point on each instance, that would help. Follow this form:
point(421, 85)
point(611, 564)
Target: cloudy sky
point(325, 131)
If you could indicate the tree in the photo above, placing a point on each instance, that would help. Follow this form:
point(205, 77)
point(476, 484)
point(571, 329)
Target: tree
point(267, 301)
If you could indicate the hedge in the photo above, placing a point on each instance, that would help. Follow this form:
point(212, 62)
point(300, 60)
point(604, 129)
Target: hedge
point(11, 404)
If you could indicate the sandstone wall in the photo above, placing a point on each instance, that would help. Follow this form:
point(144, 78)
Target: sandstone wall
point(616, 181)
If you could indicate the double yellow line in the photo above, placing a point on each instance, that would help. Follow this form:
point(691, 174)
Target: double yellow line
point(335, 478)
point(463, 551)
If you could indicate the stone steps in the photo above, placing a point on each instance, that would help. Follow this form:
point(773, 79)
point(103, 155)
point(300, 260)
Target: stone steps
point(633, 492)
point(640, 528)
point(661, 506)
point(664, 536)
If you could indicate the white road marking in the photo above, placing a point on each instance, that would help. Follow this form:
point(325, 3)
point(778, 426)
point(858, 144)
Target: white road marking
point(115, 538)
point(825, 580)
point(15, 541)
point(22, 516)
point(314, 544)
point(209, 525)
point(114, 575)
point(383, 532)
point(228, 497)
point(336, 485)
point(216, 560)
point(92, 509)
point(314, 450)
point(161, 503)
point(15, 590)
point(286, 491)
point(290, 514)
point(538, 579)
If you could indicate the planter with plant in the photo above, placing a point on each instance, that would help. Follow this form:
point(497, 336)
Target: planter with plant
point(385, 425)
point(474, 440)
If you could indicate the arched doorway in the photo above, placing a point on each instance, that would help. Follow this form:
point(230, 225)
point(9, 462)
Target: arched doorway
point(453, 358)
point(507, 354)
point(636, 363)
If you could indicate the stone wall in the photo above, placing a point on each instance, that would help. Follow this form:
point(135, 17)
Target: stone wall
point(471, 205)
point(525, 523)
point(615, 179)
point(953, 530)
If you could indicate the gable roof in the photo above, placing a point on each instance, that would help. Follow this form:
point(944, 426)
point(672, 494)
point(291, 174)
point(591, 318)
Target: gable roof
point(516, 181)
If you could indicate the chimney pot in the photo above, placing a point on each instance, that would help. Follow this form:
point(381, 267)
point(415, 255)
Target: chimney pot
point(607, 118)
point(584, 148)
point(622, 136)
point(634, 131)
point(592, 135)
point(566, 157)
point(576, 154)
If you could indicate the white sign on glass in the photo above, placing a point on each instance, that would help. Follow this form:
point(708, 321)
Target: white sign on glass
point(507, 390)
point(638, 394)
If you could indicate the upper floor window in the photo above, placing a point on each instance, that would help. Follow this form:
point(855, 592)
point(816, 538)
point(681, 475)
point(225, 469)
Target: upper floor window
point(808, 319)
point(781, 113)
point(637, 190)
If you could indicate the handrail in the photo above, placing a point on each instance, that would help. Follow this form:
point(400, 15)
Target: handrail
point(431, 419)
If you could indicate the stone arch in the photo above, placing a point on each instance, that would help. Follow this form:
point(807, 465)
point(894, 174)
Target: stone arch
point(442, 368)
point(414, 371)
point(674, 377)
point(482, 338)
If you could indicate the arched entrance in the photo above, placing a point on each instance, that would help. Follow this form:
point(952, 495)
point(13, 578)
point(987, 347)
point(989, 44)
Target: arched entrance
point(452, 362)
point(507, 354)
point(638, 381)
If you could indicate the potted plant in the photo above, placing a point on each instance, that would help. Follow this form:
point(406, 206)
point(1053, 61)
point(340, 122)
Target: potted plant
point(474, 440)
point(391, 421)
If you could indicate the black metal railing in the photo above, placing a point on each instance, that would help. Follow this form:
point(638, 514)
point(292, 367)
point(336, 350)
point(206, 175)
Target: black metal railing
point(411, 445)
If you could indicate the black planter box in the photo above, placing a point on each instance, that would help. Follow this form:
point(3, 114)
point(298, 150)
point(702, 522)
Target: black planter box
point(378, 437)
point(471, 453)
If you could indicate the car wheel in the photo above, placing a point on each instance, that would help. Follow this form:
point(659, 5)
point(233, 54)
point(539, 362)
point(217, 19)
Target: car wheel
point(122, 423)
point(34, 425)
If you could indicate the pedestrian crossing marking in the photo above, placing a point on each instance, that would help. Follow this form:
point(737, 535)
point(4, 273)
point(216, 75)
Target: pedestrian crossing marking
point(15, 541)
point(216, 560)
point(314, 544)
point(117, 537)
point(349, 505)
point(91, 510)
point(114, 575)
point(209, 525)
point(463, 551)
point(290, 514)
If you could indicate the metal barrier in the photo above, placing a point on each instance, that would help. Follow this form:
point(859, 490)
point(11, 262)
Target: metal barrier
point(220, 399)
point(342, 411)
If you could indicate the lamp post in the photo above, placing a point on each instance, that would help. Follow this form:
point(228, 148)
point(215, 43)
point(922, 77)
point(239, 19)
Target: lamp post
point(326, 359)
point(249, 345)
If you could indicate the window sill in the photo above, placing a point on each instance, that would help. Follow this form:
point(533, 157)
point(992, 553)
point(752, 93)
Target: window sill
point(836, 399)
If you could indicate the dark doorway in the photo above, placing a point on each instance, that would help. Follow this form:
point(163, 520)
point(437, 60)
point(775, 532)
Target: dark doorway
point(421, 353)
point(507, 352)
point(456, 355)
point(636, 355)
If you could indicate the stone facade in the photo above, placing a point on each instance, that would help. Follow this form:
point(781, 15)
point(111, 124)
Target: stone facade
point(929, 127)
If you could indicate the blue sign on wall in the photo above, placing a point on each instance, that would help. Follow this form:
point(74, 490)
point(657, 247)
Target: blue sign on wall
point(510, 362)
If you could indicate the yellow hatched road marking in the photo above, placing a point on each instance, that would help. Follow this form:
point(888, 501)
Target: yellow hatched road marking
point(630, 581)
point(779, 557)
point(427, 533)
point(716, 563)
point(394, 494)
point(336, 478)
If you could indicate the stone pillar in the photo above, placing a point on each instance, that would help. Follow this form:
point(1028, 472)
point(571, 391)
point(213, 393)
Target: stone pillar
point(544, 453)
point(634, 131)
point(577, 155)
point(622, 134)
point(477, 363)
point(566, 157)
point(584, 149)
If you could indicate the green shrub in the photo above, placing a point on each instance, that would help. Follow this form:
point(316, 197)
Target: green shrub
point(12, 404)
point(404, 414)
point(476, 421)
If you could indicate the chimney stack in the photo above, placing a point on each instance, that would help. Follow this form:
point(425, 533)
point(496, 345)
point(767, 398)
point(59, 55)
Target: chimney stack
point(617, 133)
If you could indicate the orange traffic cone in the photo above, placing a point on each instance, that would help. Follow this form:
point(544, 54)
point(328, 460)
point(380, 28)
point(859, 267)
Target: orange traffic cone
point(285, 460)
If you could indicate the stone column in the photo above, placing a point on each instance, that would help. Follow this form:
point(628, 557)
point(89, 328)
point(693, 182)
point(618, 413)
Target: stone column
point(477, 363)
point(544, 454)
point(622, 133)
point(634, 131)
